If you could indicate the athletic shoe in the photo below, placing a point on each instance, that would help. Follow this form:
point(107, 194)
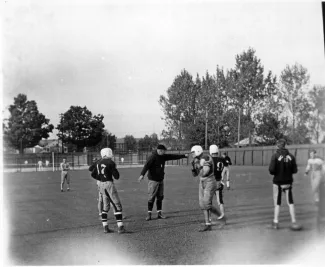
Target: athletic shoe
point(121, 230)
point(148, 218)
point(160, 216)
point(275, 225)
point(61, 190)
point(228, 187)
point(223, 219)
point(295, 227)
point(68, 189)
point(206, 228)
point(106, 229)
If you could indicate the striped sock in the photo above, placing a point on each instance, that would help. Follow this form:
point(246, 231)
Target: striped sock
point(104, 218)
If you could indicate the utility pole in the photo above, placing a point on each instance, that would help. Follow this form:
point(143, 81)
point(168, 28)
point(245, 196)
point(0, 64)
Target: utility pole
point(61, 115)
point(206, 129)
point(238, 128)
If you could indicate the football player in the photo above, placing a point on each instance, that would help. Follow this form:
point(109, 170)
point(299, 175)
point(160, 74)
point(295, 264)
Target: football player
point(202, 167)
point(226, 169)
point(105, 170)
point(219, 163)
point(282, 167)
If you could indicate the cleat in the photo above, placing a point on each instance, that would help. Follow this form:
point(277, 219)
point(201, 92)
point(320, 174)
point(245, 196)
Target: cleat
point(228, 187)
point(106, 229)
point(295, 227)
point(160, 216)
point(223, 219)
point(68, 189)
point(61, 190)
point(206, 228)
point(148, 218)
point(121, 230)
point(275, 225)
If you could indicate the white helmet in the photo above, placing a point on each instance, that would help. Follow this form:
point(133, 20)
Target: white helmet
point(213, 149)
point(106, 152)
point(197, 151)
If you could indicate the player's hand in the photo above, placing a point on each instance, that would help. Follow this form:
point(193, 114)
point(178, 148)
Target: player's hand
point(202, 161)
point(140, 178)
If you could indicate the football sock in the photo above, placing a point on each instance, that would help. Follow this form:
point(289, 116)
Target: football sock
point(104, 218)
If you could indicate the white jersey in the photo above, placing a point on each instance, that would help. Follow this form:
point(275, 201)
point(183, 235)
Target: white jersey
point(316, 164)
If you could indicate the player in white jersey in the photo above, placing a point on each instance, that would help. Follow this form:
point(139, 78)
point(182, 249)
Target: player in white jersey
point(315, 165)
point(65, 167)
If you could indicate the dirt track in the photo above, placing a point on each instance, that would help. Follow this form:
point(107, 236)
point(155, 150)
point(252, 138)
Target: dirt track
point(47, 227)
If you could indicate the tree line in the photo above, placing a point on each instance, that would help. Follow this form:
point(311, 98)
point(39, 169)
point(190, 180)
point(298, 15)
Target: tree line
point(243, 102)
point(78, 128)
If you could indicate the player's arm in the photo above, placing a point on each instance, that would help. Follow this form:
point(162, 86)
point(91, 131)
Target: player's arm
point(168, 157)
point(308, 167)
point(229, 160)
point(147, 166)
point(61, 166)
point(294, 165)
point(115, 172)
point(272, 166)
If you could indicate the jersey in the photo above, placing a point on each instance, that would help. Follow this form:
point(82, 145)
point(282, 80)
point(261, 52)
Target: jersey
point(219, 164)
point(106, 170)
point(64, 166)
point(315, 164)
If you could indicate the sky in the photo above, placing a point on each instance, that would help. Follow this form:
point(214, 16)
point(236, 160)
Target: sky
point(117, 57)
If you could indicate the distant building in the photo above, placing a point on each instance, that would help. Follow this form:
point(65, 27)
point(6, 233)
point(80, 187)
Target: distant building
point(53, 145)
point(121, 146)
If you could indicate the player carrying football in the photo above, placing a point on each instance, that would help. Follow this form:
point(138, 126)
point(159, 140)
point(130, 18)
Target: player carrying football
point(202, 166)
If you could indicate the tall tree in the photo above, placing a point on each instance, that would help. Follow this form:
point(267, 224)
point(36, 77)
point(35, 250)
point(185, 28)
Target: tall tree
point(180, 105)
point(250, 86)
point(107, 140)
point(317, 117)
point(78, 126)
point(294, 82)
point(269, 128)
point(26, 126)
point(130, 143)
point(148, 142)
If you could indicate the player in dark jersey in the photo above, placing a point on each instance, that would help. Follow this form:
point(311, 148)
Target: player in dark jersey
point(219, 163)
point(155, 166)
point(282, 167)
point(226, 169)
point(104, 171)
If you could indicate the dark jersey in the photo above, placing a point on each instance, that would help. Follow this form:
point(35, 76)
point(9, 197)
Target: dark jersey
point(104, 170)
point(155, 165)
point(227, 161)
point(219, 164)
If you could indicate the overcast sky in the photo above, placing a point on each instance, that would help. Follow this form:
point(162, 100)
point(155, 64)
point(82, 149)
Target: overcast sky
point(118, 57)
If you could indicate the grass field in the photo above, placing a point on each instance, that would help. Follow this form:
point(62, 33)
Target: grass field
point(47, 227)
